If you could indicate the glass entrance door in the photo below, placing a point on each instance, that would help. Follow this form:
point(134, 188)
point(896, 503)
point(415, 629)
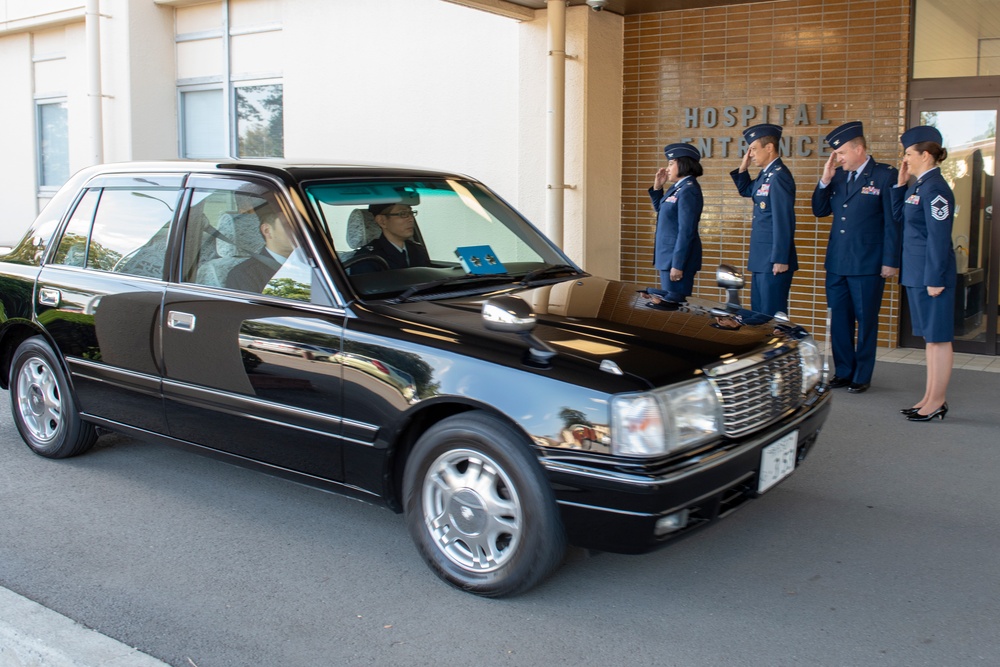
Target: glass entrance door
point(969, 131)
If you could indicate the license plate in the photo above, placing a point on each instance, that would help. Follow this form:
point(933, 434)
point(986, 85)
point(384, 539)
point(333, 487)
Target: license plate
point(777, 461)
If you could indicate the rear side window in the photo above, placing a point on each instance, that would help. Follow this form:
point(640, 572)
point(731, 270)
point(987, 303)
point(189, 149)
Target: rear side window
point(72, 250)
point(131, 230)
point(121, 230)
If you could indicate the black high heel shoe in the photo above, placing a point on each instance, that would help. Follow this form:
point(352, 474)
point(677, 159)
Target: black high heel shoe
point(939, 413)
point(912, 411)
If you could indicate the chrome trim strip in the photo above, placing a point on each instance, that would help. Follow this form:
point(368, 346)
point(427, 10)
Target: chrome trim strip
point(118, 377)
point(600, 508)
point(728, 366)
point(247, 406)
point(183, 391)
point(224, 455)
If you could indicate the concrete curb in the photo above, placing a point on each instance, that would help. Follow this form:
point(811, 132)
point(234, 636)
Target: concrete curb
point(33, 636)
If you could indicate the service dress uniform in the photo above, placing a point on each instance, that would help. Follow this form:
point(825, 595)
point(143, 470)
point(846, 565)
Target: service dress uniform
point(772, 231)
point(927, 209)
point(864, 237)
point(678, 244)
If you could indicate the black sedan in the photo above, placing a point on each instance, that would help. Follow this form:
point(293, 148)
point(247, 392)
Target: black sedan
point(406, 337)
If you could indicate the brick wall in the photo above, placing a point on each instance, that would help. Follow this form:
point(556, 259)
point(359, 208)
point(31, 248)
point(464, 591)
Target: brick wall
point(684, 68)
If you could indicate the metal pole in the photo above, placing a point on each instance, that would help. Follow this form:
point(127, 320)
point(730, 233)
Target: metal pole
point(92, 29)
point(556, 158)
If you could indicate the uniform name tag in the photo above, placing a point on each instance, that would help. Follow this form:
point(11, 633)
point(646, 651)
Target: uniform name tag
point(913, 199)
point(870, 190)
point(764, 190)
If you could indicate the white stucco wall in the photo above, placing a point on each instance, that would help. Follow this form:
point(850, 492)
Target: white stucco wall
point(17, 168)
point(417, 82)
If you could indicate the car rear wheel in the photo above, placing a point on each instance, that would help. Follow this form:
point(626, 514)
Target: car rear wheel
point(44, 411)
point(479, 507)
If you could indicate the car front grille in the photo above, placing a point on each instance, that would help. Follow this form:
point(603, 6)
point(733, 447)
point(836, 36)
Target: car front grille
point(758, 391)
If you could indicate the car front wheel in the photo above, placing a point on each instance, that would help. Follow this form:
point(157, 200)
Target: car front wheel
point(42, 405)
point(479, 507)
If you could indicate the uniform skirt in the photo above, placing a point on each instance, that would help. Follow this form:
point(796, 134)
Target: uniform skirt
point(932, 317)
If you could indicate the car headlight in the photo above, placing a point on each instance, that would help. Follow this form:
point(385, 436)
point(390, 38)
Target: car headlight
point(664, 420)
point(812, 363)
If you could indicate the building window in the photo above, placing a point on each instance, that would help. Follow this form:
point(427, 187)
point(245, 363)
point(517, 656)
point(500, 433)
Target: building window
point(260, 130)
point(53, 144)
point(229, 83)
point(956, 39)
point(203, 132)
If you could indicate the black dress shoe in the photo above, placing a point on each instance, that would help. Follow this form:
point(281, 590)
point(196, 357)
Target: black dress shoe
point(858, 388)
point(837, 382)
point(939, 414)
point(912, 411)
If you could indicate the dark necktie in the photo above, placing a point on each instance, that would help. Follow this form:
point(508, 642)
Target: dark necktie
point(850, 179)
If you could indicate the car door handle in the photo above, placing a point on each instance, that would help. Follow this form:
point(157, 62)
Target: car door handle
point(181, 321)
point(48, 296)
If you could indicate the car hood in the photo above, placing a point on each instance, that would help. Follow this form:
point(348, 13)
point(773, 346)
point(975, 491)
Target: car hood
point(593, 320)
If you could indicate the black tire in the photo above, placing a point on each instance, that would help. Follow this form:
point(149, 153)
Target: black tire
point(479, 508)
point(42, 405)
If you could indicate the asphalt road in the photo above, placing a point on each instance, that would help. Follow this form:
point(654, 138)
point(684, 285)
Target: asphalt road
point(882, 549)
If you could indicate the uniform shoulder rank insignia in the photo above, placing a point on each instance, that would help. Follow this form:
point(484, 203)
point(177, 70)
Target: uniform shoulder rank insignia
point(939, 208)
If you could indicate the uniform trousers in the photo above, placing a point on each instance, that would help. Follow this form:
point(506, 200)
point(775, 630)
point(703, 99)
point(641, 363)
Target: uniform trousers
point(769, 292)
point(677, 290)
point(854, 303)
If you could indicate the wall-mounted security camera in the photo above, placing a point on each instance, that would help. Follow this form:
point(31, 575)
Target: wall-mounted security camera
point(597, 5)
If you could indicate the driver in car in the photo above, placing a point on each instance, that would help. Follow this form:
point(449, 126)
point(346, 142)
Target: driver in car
point(396, 246)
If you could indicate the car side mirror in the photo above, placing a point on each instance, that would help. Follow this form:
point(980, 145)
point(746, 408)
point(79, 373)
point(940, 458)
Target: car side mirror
point(512, 314)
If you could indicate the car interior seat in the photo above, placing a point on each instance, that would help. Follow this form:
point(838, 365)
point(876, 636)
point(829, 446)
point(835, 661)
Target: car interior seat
point(238, 238)
point(361, 228)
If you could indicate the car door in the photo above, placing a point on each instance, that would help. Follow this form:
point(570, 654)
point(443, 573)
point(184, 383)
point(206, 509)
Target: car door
point(99, 295)
point(251, 368)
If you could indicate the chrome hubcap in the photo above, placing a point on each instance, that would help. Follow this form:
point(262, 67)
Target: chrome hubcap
point(38, 400)
point(471, 510)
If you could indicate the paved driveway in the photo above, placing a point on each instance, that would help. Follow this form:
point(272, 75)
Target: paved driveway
point(881, 550)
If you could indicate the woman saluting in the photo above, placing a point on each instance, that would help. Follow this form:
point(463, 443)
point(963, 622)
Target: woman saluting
point(927, 209)
point(677, 249)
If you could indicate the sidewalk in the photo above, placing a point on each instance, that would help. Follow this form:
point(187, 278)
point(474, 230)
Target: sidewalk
point(33, 636)
point(969, 362)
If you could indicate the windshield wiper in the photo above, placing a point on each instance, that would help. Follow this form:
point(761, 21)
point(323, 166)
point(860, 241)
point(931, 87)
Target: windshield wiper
point(544, 271)
point(434, 284)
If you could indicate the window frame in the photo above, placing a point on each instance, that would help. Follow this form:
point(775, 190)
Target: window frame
point(227, 82)
point(40, 102)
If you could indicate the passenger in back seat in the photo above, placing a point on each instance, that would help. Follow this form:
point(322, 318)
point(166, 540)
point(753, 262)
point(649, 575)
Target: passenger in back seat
point(253, 273)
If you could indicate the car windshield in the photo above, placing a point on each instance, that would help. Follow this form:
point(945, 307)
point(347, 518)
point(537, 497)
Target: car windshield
point(426, 239)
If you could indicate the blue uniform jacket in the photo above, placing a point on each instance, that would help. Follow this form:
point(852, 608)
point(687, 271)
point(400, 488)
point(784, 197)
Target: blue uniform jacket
point(864, 236)
point(927, 211)
point(678, 211)
point(772, 232)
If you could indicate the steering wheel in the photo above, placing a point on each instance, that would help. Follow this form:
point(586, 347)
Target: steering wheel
point(358, 259)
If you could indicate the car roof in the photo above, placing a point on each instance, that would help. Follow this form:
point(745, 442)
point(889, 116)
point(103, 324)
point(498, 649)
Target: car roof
point(297, 171)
